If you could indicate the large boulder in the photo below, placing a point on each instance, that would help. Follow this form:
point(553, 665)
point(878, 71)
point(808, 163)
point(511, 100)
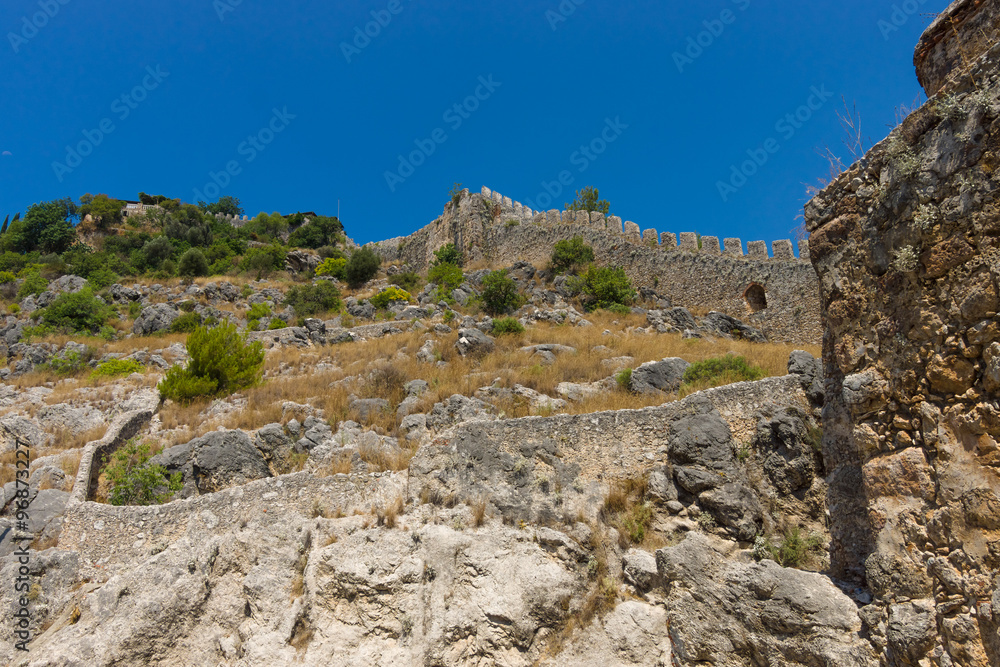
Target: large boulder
point(157, 317)
point(300, 261)
point(215, 461)
point(473, 342)
point(730, 327)
point(659, 376)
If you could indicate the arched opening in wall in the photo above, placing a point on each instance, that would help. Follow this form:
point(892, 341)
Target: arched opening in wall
point(756, 297)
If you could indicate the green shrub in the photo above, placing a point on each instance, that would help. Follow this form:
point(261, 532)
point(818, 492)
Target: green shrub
point(624, 378)
point(408, 280)
point(389, 295)
point(448, 254)
point(101, 278)
point(117, 368)
point(13, 309)
point(257, 312)
point(446, 274)
point(186, 323)
point(277, 323)
point(722, 370)
point(361, 267)
point(221, 362)
point(68, 363)
point(134, 480)
point(33, 283)
point(499, 294)
point(618, 309)
point(263, 261)
point(135, 309)
point(571, 255)
point(7, 277)
point(506, 325)
point(77, 312)
point(605, 286)
point(309, 300)
point(637, 521)
point(334, 267)
point(193, 263)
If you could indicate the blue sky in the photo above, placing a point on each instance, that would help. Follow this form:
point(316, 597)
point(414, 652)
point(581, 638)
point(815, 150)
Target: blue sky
point(304, 109)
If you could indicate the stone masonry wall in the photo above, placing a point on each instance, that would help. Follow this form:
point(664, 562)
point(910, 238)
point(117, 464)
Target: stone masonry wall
point(906, 244)
point(714, 277)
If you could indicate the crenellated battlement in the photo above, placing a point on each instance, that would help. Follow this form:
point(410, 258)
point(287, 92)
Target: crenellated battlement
point(778, 294)
point(781, 250)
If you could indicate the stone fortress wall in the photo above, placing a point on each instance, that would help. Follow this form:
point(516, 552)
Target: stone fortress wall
point(779, 294)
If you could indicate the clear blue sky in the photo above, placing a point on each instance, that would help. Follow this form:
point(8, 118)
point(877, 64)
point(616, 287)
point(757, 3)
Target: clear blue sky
point(222, 69)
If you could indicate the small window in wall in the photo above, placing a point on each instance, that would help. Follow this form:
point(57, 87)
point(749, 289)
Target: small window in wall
point(756, 297)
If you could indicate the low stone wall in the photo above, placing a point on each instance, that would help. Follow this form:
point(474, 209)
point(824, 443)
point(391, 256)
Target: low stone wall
point(106, 536)
point(122, 429)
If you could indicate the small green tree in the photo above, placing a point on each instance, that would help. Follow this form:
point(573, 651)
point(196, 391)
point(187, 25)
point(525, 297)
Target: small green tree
point(77, 312)
point(193, 263)
point(500, 293)
point(607, 287)
point(588, 199)
point(448, 254)
point(33, 283)
point(334, 267)
point(361, 267)
point(309, 300)
point(447, 275)
point(105, 211)
point(221, 361)
point(571, 255)
point(134, 480)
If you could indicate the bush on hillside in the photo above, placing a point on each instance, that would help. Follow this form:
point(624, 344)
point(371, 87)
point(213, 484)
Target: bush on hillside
point(335, 267)
point(499, 294)
point(571, 255)
point(606, 287)
point(77, 312)
point(448, 275)
point(388, 296)
point(114, 368)
point(34, 284)
point(507, 325)
point(134, 480)
point(448, 254)
point(193, 263)
point(221, 362)
point(361, 267)
point(309, 300)
point(719, 371)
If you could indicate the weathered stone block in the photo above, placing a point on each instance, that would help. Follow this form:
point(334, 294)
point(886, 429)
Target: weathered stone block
point(733, 247)
point(598, 220)
point(554, 218)
point(508, 203)
point(649, 236)
point(804, 250)
point(632, 231)
point(757, 249)
point(487, 193)
point(668, 240)
point(783, 249)
point(710, 245)
point(539, 218)
point(689, 241)
point(583, 218)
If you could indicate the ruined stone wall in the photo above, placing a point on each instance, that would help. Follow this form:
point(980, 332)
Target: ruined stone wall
point(907, 248)
point(713, 277)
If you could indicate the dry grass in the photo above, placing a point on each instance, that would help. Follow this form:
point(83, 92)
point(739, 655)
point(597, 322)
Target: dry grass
point(66, 439)
point(8, 469)
point(388, 515)
point(341, 465)
point(70, 464)
point(479, 511)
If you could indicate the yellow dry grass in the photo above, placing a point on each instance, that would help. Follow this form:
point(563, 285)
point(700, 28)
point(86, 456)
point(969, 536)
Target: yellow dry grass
point(381, 365)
